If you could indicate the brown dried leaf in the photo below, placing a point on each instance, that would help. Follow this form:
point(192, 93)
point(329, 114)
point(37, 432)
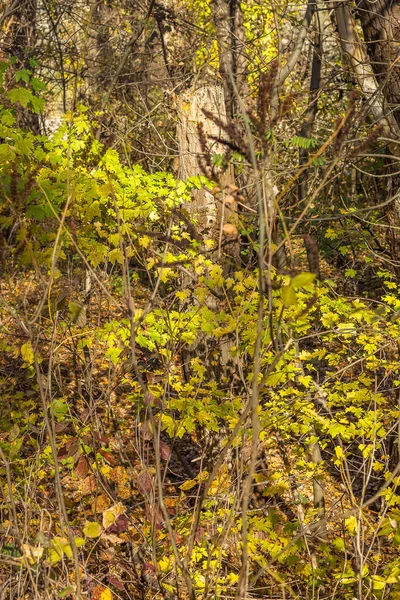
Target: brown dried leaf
point(88, 485)
point(116, 582)
point(110, 515)
point(109, 457)
point(122, 523)
point(230, 229)
point(165, 451)
point(112, 538)
point(60, 427)
point(154, 515)
point(145, 431)
point(143, 482)
point(82, 467)
point(149, 399)
point(70, 448)
point(73, 446)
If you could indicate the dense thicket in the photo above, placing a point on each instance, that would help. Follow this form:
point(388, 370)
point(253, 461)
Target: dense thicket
point(199, 299)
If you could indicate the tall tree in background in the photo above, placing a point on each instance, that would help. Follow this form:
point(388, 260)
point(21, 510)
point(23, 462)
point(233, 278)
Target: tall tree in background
point(20, 42)
point(380, 22)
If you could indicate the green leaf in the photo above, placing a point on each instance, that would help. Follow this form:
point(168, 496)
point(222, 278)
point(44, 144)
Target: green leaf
point(68, 591)
point(23, 74)
point(60, 408)
point(378, 583)
point(37, 84)
point(37, 104)
point(21, 95)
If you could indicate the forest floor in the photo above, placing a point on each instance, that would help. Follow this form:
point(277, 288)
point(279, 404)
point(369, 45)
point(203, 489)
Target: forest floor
point(107, 483)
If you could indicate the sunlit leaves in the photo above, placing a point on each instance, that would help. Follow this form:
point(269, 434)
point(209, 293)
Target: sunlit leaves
point(92, 529)
point(27, 354)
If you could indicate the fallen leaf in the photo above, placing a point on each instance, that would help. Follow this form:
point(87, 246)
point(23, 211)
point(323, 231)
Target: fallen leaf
point(111, 514)
point(144, 482)
point(101, 593)
point(92, 529)
point(153, 515)
point(229, 229)
point(32, 553)
point(88, 485)
point(112, 538)
point(109, 457)
point(148, 399)
point(117, 583)
point(82, 467)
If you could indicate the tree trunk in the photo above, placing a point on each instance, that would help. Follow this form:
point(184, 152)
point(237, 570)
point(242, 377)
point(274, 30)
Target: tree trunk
point(353, 48)
point(196, 137)
point(210, 211)
point(227, 16)
point(376, 70)
point(380, 21)
point(21, 44)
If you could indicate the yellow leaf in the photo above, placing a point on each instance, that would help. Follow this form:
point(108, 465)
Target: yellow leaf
point(111, 514)
point(165, 273)
point(92, 529)
point(145, 241)
point(27, 353)
point(106, 594)
point(351, 524)
point(339, 453)
point(202, 476)
point(182, 294)
point(165, 564)
point(101, 593)
point(303, 280)
point(188, 485)
point(289, 297)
